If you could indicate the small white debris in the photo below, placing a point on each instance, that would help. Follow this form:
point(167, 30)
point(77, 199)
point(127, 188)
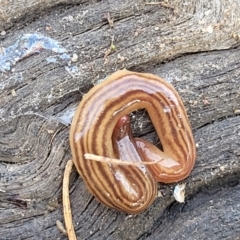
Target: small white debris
point(74, 57)
point(14, 94)
point(222, 168)
point(50, 131)
point(209, 29)
point(237, 111)
point(159, 194)
point(129, 216)
point(179, 192)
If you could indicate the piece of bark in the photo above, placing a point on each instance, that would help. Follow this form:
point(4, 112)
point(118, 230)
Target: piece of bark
point(34, 144)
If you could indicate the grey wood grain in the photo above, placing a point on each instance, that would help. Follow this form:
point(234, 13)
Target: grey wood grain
point(193, 45)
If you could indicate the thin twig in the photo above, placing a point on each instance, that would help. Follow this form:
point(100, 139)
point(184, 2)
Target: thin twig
point(97, 158)
point(66, 202)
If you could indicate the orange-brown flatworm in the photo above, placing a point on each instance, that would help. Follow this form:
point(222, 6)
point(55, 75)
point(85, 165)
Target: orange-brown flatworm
point(100, 127)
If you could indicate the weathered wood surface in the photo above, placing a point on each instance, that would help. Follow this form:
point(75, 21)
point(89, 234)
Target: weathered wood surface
point(36, 94)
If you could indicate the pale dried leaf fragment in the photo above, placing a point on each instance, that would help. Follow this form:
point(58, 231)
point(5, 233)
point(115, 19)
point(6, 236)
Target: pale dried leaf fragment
point(61, 227)
point(179, 192)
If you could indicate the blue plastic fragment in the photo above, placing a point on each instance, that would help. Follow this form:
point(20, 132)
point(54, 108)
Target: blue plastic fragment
point(27, 45)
